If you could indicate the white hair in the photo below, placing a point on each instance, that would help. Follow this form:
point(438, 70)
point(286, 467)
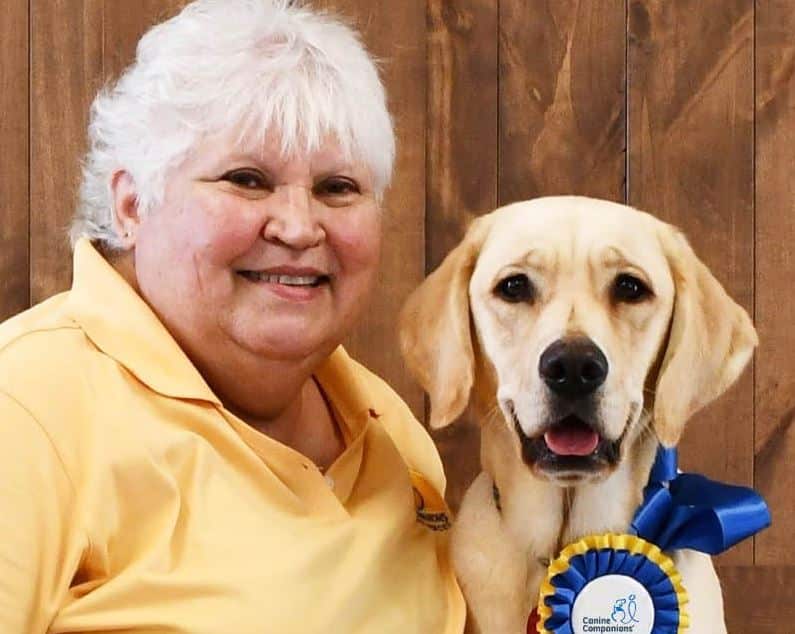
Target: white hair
point(241, 67)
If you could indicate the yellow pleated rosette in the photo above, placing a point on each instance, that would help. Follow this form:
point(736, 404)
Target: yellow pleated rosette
point(633, 546)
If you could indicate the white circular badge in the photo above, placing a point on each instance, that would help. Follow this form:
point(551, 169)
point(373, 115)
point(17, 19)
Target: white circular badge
point(611, 604)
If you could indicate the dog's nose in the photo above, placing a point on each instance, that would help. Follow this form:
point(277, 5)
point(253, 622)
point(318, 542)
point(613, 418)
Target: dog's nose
point(573, 367)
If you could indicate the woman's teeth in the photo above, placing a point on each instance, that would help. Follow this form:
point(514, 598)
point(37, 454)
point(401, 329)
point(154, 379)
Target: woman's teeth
point(287, 280)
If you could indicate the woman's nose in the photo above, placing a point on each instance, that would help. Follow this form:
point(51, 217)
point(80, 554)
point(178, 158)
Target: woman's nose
point(290, 220)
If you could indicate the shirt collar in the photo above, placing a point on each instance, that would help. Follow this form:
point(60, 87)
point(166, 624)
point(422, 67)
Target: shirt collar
point(342, 381)
point(121, 324)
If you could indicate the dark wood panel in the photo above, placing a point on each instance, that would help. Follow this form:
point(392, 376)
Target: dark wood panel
point(461, 166)
point(462, 119)
point(66, 54)
point(758, 600)
point(562, 99)
point(14, 72)
point(775, 269)
point(123, 25)
point(691, 163)
point(396, 36)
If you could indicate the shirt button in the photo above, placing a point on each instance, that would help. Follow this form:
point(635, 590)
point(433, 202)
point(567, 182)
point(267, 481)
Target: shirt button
point(329, 480)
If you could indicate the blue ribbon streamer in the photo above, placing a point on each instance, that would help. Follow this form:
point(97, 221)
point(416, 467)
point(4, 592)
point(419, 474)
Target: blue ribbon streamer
point(690, 511)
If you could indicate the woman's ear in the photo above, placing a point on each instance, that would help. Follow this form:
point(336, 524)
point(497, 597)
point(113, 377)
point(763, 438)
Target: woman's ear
point(711, 339)
point(435, 335)
point(125, 207)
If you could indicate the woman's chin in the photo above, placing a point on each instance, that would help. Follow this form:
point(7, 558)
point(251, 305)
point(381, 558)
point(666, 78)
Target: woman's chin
point(288, 344)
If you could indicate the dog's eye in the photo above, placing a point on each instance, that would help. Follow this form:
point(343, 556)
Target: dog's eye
point(628, 288)
point(516, 288)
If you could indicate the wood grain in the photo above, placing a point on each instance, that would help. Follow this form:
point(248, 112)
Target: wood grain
point(123, 25)
point(691, 163)
point(775, 269)
point(562, 99)
point(758, 600)
point(461, 167)
point(397, 38)
point(66, 55)
point(14, 174)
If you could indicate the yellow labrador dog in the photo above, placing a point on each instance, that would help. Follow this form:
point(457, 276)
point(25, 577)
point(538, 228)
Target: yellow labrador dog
point(585, 333)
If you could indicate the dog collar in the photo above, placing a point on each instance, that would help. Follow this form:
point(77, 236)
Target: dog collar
point(627, 583)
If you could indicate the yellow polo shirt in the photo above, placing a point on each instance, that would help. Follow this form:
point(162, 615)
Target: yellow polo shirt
point(131, 500)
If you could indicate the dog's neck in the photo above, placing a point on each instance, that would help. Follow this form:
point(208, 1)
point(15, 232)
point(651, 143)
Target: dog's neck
point(543, 517)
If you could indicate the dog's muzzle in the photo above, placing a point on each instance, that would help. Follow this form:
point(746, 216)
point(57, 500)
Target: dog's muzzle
point(573, 369)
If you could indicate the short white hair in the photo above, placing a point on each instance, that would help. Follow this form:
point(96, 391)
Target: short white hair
point(241, 67)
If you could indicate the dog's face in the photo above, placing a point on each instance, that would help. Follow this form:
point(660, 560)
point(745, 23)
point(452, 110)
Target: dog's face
point(571, 303)
point(595, 322)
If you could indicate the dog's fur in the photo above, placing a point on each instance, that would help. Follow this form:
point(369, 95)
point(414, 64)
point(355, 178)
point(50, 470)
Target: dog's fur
point(669, 355)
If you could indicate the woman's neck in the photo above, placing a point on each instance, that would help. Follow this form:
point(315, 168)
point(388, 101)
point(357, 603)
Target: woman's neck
point(283, 401)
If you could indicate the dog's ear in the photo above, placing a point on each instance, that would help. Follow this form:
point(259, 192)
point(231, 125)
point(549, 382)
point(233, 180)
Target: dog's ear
point(710, 341)
point(435, 335)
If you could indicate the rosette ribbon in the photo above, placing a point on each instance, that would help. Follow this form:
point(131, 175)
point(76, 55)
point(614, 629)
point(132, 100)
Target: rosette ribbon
point(678, 511)
point(597, 556)
point(687, 510)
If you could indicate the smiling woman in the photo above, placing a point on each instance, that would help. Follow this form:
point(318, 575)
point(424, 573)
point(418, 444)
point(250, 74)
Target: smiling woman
point(208, 458)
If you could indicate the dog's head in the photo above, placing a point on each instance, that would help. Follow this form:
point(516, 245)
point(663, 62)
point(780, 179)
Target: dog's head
point(595, 322)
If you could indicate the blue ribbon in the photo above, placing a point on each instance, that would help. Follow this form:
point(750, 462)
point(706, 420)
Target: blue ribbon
point(690, 511)
point(597, 563)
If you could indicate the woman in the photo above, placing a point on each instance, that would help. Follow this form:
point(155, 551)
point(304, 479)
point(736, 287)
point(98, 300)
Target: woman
point(185, 446)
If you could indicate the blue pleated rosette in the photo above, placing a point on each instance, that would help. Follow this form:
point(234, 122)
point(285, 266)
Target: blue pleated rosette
point(598, 556)
point(678, 511)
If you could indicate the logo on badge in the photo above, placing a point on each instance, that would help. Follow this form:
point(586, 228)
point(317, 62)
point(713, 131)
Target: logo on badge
point(625, 615)
point(613, 604)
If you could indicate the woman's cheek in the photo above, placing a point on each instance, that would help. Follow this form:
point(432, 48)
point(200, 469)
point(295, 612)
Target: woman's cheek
point(225, 232)
point(358, 242)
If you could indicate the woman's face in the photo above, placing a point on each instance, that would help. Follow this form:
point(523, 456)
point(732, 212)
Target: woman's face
point(274, 256)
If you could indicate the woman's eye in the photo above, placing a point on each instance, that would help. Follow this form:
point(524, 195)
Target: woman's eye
point(515, 288)
point(628, 288)
point(337, 186)
point(249, 179)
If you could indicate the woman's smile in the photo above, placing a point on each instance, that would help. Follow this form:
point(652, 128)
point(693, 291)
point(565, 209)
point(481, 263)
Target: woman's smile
point(290, 283)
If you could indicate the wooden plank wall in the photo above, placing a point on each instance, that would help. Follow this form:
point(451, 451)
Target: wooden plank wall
point(684, 109)
point(14, 177)
point(691, 88)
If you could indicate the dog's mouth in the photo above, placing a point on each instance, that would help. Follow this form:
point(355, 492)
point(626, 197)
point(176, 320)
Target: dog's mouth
point(569, 449)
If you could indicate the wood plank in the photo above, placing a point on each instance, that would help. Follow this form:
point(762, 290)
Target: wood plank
point(775, 268)
point(123, 25)
point(396, 36)
point(758, 600)
point(461, 166)
point(14, 174)
point(691, 163)
point(562, 101)
point(66, 54)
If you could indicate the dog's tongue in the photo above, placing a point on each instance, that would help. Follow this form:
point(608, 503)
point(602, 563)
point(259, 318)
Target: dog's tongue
point(572, 439)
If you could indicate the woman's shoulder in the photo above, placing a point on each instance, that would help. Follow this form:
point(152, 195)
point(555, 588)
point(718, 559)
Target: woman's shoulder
point(38, 343)
point(30, 328)
point(43, 358)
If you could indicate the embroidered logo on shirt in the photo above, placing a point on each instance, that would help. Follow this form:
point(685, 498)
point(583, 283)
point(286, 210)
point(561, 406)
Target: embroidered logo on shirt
point(431, 508)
